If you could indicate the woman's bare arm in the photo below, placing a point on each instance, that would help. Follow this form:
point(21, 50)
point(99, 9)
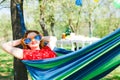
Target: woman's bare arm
point(10, 48)
point(51, 41)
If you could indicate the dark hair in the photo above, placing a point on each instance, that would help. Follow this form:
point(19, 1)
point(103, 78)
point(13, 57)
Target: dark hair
point(25, 36)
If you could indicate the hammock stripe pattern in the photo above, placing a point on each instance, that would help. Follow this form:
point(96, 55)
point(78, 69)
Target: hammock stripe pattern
point(89, 63)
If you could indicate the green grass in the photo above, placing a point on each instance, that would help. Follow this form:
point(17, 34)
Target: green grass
point(114, 75)
point(6, 68)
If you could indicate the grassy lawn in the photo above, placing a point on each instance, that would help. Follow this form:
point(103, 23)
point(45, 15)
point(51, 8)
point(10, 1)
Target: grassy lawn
point(6, 68)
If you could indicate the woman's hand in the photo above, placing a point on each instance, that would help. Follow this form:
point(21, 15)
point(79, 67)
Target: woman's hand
point(51, 41)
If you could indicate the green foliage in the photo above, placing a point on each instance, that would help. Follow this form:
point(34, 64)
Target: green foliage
point(93, 14)
point(5, 28)
point(60, 12)
point(104, 27)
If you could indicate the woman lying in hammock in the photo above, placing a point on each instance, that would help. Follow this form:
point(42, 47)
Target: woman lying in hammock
point(33, 46)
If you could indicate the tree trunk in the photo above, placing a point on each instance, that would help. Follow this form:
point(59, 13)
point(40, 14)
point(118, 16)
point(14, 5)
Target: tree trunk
point(90, 29)
point(71, 26)
point(52, 28)
point(90, 25)
point(42, 24)
point(20, 72)
point(42, 21)
point(52, 23)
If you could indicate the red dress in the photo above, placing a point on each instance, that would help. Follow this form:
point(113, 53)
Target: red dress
point(43, 53)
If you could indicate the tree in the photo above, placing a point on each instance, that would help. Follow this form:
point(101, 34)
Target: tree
point(42, 18)
point(20, 72)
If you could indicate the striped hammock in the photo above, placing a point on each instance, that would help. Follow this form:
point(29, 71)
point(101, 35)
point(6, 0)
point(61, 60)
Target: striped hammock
point(89, 63)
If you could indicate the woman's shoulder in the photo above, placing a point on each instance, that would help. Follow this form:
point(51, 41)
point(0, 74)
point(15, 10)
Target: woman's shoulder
point(46, 48)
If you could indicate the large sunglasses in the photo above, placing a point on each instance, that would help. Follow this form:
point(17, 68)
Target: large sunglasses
point(28, 40)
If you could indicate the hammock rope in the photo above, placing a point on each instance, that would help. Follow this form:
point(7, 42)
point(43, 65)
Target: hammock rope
point(21, 19)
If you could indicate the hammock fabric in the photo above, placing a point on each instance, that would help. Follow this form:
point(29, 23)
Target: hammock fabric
point(89, 63)
point(23, 28)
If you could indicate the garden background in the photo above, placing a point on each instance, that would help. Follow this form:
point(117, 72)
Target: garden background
point(94, 18)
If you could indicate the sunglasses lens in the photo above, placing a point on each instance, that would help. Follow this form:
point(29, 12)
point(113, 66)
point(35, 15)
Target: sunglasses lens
point(27, 40)
point(38, 37)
